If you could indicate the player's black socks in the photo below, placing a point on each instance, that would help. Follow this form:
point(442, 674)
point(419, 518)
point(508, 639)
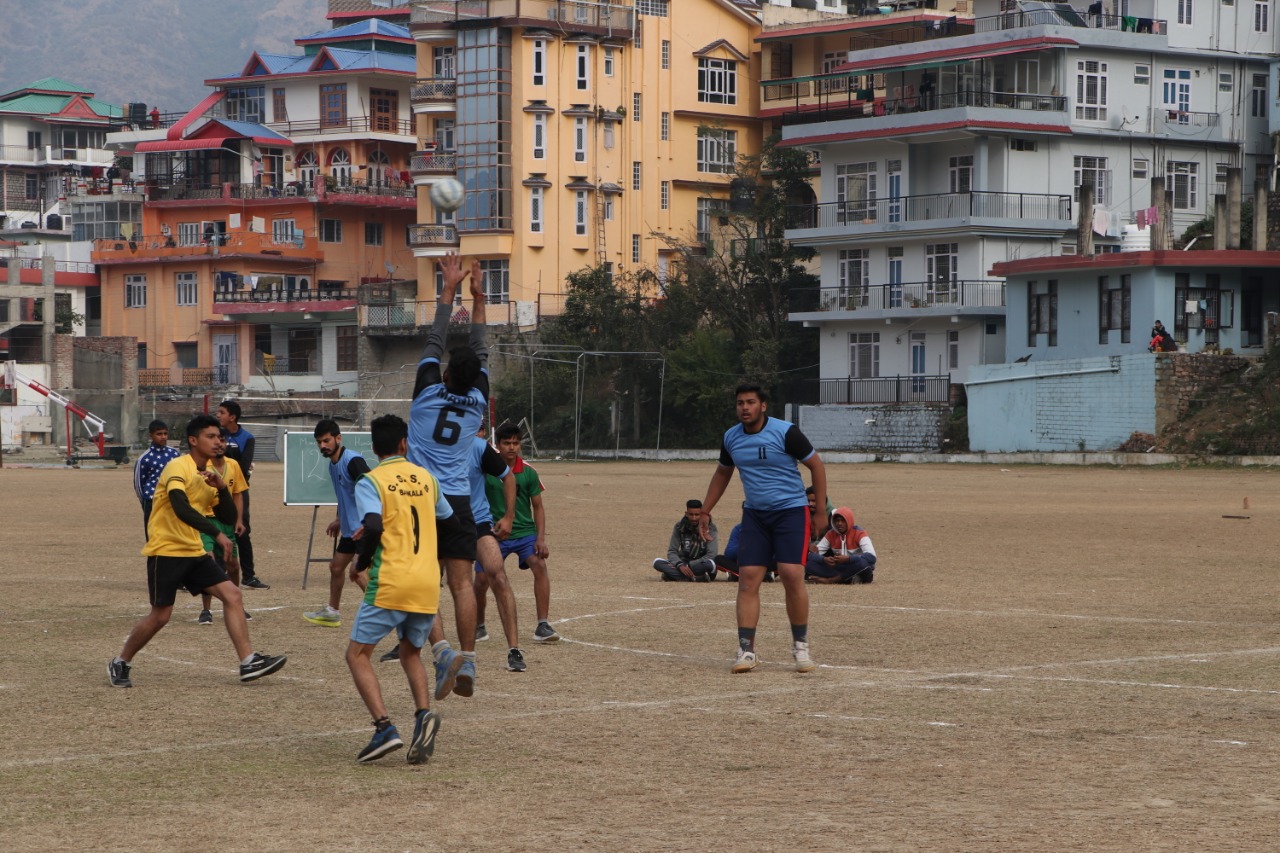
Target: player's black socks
point(747, 639)
point(800, 633)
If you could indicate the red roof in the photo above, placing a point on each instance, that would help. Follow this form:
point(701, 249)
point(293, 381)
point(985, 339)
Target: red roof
point(906, 130)
point(180, 144)
point(905, 59)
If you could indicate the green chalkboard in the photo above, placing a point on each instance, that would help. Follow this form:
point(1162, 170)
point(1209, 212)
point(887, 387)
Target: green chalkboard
point(306, 472)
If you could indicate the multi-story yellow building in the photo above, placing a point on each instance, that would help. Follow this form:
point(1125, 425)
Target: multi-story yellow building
point(583, 133)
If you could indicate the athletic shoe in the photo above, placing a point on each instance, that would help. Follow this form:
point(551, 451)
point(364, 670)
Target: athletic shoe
point(387, 740)
point(544, 633)
point(745, 662)
point(206, 618)
point(261, 665)
point(394, 654)
point(482, 633)
point(253, 583)
point(465, 686)
point(324, 616)
point(804, 663)
point(447, 668)
point(425, 726)
point(865, 576)
point(248, 617)
point(118, 672)
point(515, 661)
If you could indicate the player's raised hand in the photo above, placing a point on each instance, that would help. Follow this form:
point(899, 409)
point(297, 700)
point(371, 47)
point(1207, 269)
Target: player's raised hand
point(451, 270)
point(477, 280)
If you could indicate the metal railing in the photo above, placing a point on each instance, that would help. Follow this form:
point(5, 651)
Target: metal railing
point(426, 235)
point(433, 89)
point(884, 389)
point(165, 246)
point(1189, 119)
point(570, 13)
point(189, 190)
point(276, 293)
point(1053, 18)
point(954, 293)
point(351, 124)
point(56, 154)
point(925, 208)
point(429, 162)
point(386, 189)
point(38, 264)
point(832, 101)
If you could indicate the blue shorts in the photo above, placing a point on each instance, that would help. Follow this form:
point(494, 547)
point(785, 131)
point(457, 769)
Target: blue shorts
point(524, 547)
point(373, 623)
point(777, 536)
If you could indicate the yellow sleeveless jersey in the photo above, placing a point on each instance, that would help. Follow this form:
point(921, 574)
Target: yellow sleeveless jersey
point(405, 573)
point(168, 535)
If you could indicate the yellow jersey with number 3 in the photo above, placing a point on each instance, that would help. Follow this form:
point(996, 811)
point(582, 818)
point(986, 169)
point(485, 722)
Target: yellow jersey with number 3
point(405, 573)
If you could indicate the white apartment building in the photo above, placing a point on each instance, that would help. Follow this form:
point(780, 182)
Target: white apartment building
point(950, 143)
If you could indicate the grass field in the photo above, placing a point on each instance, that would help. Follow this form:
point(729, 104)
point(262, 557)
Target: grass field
point(1056, 659)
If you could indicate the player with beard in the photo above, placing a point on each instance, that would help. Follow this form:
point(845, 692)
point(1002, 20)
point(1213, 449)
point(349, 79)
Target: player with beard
point(346, 467)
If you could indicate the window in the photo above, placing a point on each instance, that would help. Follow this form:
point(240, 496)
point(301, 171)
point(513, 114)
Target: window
point(308, 168)
point(666, 127)
point(535, 210)
point(186, 354)
point(635, 175)
point(1113, 308)
point(1022, 145)
point(184, 284)
point(580, 212)
point(333, 105)
point(1184, 180)
point(540, 136)
point(638, 40)
point(330, 231)
point(707, 208)
point(1184, 12)
point(665, 195)
point(1142, 75)
point(609, 53)
point(497, 282)
point(444, 62)
point(1226, 81)
point(32, 187)
point(189, 233)
point(1091, 90)
point(608, 136)
point(279, 112)
point(33, 140)
point(1141, 168)
point(856, 191)
point(635, 248)
point(652, 8)
point(1261, 17)
point(284, 231)
point(961, 173)
point(953, 350)
point(717, 151)
point(245, 104)
point(1093, 170)
point(373, 233)
point(635, 106)
point(608, 208)
point(666, 54)
point(854, 271)
point(584, 66)
point(539, 62)
point(1176, 90)
point(717, 81)
point(135, 291)
point(579, 140)
point(864, 355)
point(1042, 314)
point(1258, 96)
point(347, 339)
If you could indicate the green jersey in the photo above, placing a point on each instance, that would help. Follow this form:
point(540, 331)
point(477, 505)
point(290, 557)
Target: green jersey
point(528, 486)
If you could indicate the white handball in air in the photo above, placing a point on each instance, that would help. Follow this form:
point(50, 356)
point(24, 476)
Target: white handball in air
point(447, 195)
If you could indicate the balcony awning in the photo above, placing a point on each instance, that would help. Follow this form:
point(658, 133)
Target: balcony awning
point(952, 55)
point(181, 144)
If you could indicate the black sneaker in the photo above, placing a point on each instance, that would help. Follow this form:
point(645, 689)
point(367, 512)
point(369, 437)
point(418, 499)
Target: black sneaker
point(248, 617)
point(515, 661)
point(261, 665)
point(384, 741)
point(206, 618)
point(425, 726)
point(544, 633)
point(394, 654)
point(118, 672)
point(253, 583)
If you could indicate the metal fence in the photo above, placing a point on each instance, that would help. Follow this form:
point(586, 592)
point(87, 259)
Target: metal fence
point(908, 294)
point(880, 389)
point(923, 208)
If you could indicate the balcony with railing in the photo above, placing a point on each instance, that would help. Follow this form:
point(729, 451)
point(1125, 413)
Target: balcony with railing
point(389, 191)
point(307, 298)
point(351, 125)
point(433, 236)
point(433, 92)
point(901, 298)
point(1065, 16)
point(878, 390)
point(408, 317)
point(1026, 212)
point(56, 155)
point(166, 249)
point(566, 16)
point(826, 98)
point(433, 163)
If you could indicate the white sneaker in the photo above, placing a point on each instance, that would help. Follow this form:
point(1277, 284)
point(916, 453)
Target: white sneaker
point(745, 662)
point(804, 663)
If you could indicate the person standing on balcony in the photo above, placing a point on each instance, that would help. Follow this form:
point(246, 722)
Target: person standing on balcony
point(243, 442)
point(448, 409)
point(775, 517)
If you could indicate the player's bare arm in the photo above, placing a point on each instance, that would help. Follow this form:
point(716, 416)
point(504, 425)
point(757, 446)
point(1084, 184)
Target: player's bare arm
point(478, 298)
point(715, 490)
point(502, 526)
point(818, 472)
point(540, 548)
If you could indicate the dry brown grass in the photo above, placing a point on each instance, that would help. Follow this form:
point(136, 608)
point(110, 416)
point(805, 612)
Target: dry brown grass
point(1049, 659)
